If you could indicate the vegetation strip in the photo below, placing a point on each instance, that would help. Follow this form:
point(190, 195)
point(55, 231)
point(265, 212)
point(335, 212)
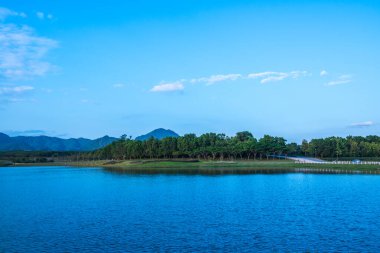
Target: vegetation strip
point(243, 145)
point(217, 167)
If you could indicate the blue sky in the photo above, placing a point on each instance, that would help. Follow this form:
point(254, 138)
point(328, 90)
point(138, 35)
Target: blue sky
point(298, 69)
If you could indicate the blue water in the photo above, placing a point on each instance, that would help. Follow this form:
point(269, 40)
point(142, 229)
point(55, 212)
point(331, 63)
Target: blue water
point(59, 209)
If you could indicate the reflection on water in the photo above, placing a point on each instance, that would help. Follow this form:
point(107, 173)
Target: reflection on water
point(196, 171)
point(228, 171)
point(58, 209)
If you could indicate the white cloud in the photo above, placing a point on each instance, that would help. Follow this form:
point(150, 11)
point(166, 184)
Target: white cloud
point(22, 52)
point(271, 76)
point(17, 100)
point(216, 78)
point(343, 79)
point(265, 77)
point(362, 124)
point(47, 90)
point(15, 89)
point(119, 85)
point(22, 57)
point(4, 13)
point(40, 15)
point(167, 87)
point(323, 73)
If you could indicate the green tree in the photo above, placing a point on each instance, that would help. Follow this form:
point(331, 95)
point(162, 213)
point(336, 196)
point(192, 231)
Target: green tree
point(305, 147)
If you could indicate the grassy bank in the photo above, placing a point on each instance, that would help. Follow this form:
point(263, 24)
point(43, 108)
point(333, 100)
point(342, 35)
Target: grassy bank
point(5, 163)
point(216, 167)
point(226, 167)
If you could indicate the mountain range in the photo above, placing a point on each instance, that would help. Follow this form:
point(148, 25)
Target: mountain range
point(46, 143)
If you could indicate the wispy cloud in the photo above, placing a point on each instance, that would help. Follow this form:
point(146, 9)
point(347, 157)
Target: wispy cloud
point(271, 76)
point(362, 124)
point(47, 90)
point(265, 77)
point(15, 94)
point(343, 79)
point(42, 15)
point(268, 76)
point(22, 57)
point(25, 133)
point(16, 100)
point(4, 13)
point(216, 78)
point(89, 101)
point(83, 89)
point(32, 132)
point(22, 52)
point(119, 85)
point(11, 90)
point(168, 87)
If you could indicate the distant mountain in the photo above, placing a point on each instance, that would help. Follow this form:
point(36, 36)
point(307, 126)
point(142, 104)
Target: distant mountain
point(159, 134)
point(46, 143)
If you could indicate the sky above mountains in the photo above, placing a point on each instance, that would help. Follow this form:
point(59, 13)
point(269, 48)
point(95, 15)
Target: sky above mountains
point(297, 69)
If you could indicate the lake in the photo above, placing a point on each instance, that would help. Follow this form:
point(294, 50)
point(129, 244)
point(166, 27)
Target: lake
point(64, 209)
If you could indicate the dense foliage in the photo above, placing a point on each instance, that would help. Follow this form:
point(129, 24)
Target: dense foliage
point(352, 146)
point(242, 146)
point(40, 156)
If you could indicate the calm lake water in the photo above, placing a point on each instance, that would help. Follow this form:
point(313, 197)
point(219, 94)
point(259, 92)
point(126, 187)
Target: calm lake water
point(60, 209)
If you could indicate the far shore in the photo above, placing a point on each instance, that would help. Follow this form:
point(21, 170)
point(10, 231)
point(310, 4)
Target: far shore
point(210, 167)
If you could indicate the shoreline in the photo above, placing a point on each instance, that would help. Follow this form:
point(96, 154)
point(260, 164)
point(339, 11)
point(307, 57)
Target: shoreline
point(196, 167)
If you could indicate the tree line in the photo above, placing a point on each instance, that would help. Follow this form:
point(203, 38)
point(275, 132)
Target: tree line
point(351, 146)
point(241, 146)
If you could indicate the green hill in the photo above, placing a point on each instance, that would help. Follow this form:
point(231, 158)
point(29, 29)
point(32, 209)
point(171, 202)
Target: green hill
point(159, 134)
point(46, 143)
